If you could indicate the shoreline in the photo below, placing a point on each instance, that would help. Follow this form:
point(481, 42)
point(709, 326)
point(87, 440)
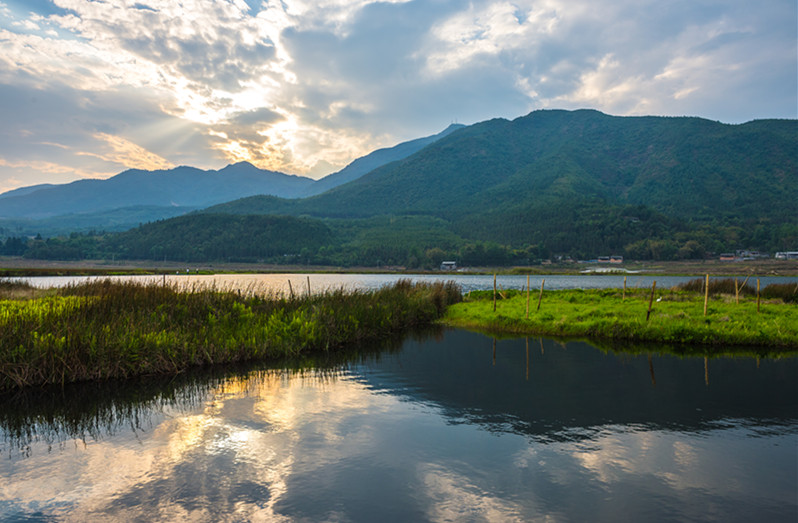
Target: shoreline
point(21, 267)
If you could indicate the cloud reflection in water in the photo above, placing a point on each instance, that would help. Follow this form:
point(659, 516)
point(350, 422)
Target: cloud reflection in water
point(377, 439)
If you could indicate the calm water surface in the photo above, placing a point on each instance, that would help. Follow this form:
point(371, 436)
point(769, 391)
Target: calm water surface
point(452, 427)
point(468, 282)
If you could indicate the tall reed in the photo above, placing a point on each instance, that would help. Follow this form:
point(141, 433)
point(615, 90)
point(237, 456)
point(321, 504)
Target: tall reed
point(103, 329)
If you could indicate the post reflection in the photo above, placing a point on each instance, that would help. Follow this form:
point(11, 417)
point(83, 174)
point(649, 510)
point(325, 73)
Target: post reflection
point(651, 371)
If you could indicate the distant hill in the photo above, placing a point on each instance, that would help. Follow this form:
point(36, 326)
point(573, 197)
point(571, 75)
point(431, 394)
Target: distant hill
point(179, 187)
point(376, 159)
point(137, 196)
point(586, 182)
point(25, 190)
point(684, 167)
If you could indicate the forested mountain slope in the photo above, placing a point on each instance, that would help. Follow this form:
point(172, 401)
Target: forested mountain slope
point(686, 168)
point(501, 192)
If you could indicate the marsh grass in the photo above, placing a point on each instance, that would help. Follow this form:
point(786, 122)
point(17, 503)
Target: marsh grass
point(677, 317)
point(104, 329)
point(17, 290)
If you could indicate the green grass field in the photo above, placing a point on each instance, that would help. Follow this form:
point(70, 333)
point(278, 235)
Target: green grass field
point(677, 316)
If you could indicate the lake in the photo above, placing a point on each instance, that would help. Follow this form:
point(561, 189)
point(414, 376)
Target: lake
point(443, 426)
point(468, 282)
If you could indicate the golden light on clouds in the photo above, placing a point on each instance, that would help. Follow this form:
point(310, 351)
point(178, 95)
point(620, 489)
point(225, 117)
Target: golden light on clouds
point(129, 154)
point(350, 77)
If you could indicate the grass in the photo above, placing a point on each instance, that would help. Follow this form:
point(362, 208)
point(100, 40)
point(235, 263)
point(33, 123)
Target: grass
point(104, 329)
point(677, 316)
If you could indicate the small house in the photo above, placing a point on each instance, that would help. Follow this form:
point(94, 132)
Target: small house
point(448, 266)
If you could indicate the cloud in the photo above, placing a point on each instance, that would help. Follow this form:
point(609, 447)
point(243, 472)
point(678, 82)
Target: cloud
point(128, 154)
point(296, 85)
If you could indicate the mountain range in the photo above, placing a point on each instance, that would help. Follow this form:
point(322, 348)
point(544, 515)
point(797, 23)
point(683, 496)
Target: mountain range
point(139, 196)
point(683, 167)
point(572, 182)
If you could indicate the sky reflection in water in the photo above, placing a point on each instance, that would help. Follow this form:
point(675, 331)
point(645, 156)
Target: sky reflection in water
point(438, 430)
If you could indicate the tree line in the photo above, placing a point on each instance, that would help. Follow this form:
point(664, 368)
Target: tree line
point(417, 242)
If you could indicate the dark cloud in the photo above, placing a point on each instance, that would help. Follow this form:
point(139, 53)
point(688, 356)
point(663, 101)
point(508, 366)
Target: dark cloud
point(258, 116)
point(142, 7)
point(224, 63)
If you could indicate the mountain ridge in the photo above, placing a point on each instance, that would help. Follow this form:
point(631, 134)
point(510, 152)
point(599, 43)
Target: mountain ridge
point(684, 166)
point(568, 183)
point(160, 192)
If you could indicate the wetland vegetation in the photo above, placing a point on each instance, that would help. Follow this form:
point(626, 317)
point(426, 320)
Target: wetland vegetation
point(103, 329)
point(677, 315)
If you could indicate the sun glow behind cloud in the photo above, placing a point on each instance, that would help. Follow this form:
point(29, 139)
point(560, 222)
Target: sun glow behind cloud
point(306, 87)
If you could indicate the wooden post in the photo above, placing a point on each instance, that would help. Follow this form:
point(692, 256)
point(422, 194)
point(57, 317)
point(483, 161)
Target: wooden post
point(308, 286)
point(290, 289)
point(494, 292)
point(623, 298)
point(651, 300)
point(706, 295)
point(706, 371)
point(736, 291)
point(540, 297)
point(757, 295)
point(527, 299)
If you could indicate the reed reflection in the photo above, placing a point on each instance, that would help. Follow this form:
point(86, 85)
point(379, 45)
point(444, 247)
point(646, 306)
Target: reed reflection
point(425, 429)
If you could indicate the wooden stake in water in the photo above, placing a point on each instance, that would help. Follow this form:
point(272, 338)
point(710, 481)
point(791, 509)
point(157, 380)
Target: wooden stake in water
point(308, 285)
point(706, 295)
point(291, 289)
point(757, 295)
point(540, 297)
point(651, 300)
point(527, 298)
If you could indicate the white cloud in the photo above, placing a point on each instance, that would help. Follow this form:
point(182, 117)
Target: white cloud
point(299, 84)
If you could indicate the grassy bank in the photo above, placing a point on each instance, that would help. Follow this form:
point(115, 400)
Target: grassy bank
point(105, 329)
point(677, 316)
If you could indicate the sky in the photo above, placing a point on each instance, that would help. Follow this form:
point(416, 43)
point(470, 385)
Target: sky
point(90, 88)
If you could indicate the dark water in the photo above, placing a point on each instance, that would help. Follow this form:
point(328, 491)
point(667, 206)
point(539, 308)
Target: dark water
point(443, 428)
